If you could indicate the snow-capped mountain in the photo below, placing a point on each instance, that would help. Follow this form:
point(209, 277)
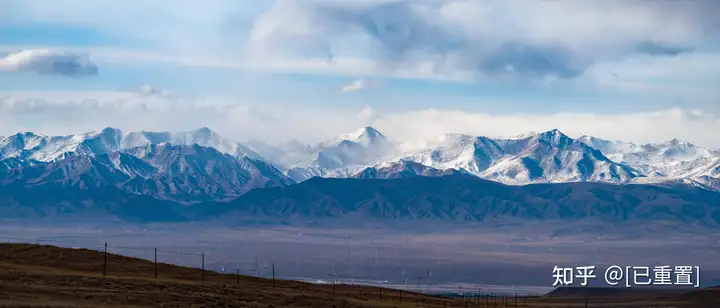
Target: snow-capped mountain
point(29, 145)
point(454, 151)
point(546, 157)
point(674, 159)
point(404, 169)
point(51, 148)
point(554, 157)
point(198, 171)
point(202, 136)
point(202, 163)
point(342, 156)
point(184, 173)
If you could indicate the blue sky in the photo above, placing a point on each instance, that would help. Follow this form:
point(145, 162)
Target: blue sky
point(514, 60)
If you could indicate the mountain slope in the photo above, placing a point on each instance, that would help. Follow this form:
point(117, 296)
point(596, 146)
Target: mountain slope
point(554, 157)
point(202, 136)
point(55, 200)
point(467, 198)
point(340, 157)
point(474, 154)
point(546, 157)
point(403, 169)
point(51, 148)
point(177, 172)
point(670, 159)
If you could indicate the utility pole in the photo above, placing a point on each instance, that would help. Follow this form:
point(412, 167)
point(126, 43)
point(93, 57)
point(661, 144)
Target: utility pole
point(155, 263)
point(105, 261)
point(273, 274)
point(202, 269)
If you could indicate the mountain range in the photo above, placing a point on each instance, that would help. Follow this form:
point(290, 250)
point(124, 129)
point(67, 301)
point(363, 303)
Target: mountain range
point(202, 167)
point(399, 202)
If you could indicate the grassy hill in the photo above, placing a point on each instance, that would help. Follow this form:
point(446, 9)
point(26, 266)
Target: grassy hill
point(48, 276)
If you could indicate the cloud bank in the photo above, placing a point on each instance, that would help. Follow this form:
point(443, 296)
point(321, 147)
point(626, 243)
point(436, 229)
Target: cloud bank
point(49, 62)
point(55, 114)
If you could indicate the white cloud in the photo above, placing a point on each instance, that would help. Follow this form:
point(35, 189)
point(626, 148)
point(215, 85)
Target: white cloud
point(368, 116)
point(362, 84)
point(533, 38)
point(54, 113)
point(49, 62)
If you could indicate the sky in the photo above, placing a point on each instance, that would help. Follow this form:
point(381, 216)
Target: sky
point(275, 70)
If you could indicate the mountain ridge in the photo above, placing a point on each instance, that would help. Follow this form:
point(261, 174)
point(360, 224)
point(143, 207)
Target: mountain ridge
point(183, 173)
point(457, 198)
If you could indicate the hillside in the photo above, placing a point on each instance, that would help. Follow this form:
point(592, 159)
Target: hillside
point(464, 198)
point(50, 276)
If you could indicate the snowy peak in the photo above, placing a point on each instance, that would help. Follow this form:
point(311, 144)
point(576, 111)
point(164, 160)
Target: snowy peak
point(683, 149)
point(672, 159)
point(554, 138)
point(184, 173)
point(522, 136)
point(365, 135)
point(107, 140)
point(606, 146)
point(403, 169)
point(554, 157)
point(17, 145)
point(44, 148)
point(202, 135)
point(345, 153)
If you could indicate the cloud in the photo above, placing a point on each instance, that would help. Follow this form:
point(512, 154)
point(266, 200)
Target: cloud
point(360, 85)
point(492, 39)
point(55, 113)
point(49, 62)
point(368, 116)
point(641, 127)
point(147, 90)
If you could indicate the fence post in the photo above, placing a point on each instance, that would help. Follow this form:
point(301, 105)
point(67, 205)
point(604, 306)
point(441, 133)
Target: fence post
point(202, 269)
point(156, 263)
point(105, 261)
